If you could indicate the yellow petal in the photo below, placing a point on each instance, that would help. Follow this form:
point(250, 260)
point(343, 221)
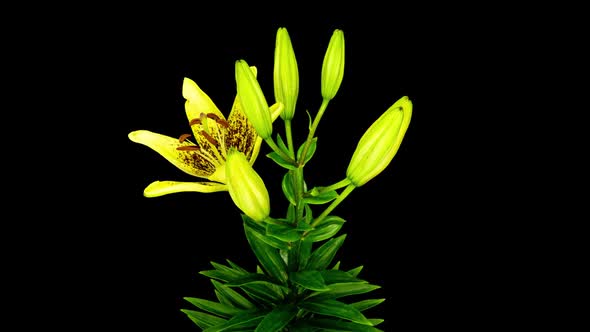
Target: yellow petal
point(192, 162)
point(199, 101)
point(160, 188)
point(241, 133)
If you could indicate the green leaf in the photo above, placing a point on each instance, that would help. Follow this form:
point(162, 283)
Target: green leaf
point(288, 190)
point(216, 308)
point(283, 232)
point(338, 276)
point(241, 322)
point(310, 120)
point(322, 198)
point(269, 257)
point(278, 318)
point(291, 213)
point(310, 150)
point(266, 292)
point(202, 319)
point(281, 144)
point(303, 226)
point(326, 229)
point(344, 289)
point(366, 304)
point(355, 272)
point(376, 321)
point(309, 279)
point(280, 161)
point(247, 278)
point(326, 324)
point(236, 266)
point(323, 256)
point(304, 252)
point(261, 230)
point(223, 272)
point(231, 296)
point(222, 299)
point(335, 309)
point(336, 266)
point(308, 214)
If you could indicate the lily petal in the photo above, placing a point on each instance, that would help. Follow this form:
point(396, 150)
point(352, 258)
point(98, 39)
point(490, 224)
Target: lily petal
point(160, 188)
point(193, 162)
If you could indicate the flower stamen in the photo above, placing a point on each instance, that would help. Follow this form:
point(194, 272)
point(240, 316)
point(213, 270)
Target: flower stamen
point(183, 137)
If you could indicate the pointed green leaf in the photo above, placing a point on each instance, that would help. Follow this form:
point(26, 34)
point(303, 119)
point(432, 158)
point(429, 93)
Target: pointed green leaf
point(326, 324)
point(223, 272)
point(338, 276)
point(202, 319)
point(355, 272)
point(283, 232)
point(326, 229)
point(310, 150)
point(376, 321)
point(322, 198)
point(236, 266)
point(304, 252)
point(281, 144)
point(241, 322)
point(309, 279)
point(303, 226)
point(291, 213)
point(265, 292)
point(247, 278)
point(269, 257)
point(222, 299)
point(344, 289)
point(232, 296)
point(335, 309)
point(216, 308)
point(336, 266)
point(293, 256)
point(261, 230)
point(288, 190)
point(366, 304)
point(280, 161)
point(278, 318)
point(323, 256)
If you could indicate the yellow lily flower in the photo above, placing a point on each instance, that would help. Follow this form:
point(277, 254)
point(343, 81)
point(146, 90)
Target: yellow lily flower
point(213, 136)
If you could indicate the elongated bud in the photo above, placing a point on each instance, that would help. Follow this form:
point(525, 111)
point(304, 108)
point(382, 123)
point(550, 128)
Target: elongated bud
point(333, 66)
point(285, 74)
point(246, 187)
point(252, 99)
point(380, 143)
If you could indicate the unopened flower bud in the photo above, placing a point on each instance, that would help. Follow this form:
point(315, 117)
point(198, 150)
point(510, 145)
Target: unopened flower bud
point(252, 99)
point(286, 74)
point(246, 187)
point(380, 143)
point(333, 66)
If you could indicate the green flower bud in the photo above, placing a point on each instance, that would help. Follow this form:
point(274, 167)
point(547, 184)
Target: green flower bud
point(286, 74)
point(333, 66)
point(252, 99)
point(245, 186)
point(380, 143)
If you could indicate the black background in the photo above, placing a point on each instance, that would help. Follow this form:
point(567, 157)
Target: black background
point(431, 229)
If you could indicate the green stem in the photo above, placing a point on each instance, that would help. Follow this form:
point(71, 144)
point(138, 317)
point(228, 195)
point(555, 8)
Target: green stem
point(280, 152)
point(298, 178)
point(289, 135)
point(312, 130)
point(334, 204)
point(342, 183)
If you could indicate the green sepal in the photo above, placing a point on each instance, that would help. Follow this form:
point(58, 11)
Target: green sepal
point(280, 161)
point(366, 304)
point(216, 308)
point(322, 198)
point(231, 296)
point(241, 322)
point(344, 289)
point(338, 276)
point(203, 320)
point(326, 229)
point(309, 279)
point(323, 256)
point(310, 150)
point(288, 190)
point(269, 257)
point(335, 308)
point(278, 318)
point(283, 232)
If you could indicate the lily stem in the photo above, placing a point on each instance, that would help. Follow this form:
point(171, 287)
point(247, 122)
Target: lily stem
point(334, 204)
point(289, 135)
point(312, 130)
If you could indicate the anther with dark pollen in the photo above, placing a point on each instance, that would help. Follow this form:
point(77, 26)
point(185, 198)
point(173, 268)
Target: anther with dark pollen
point(209, 138)
point(188, 148)
point(217, 119)
point(194, 122)
point(183, 137)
